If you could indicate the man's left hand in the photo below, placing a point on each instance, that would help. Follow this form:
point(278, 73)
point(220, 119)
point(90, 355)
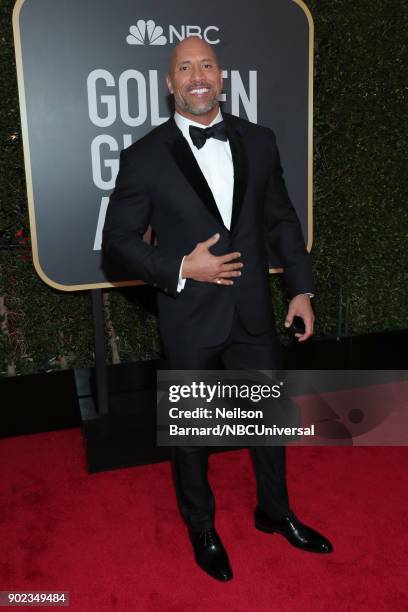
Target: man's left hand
point(300, 306)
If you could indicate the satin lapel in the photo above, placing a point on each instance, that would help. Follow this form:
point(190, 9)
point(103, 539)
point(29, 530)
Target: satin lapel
point(189, 167)
point(239, 159)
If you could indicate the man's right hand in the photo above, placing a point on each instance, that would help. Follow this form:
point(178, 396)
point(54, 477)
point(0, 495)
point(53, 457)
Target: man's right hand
point(201, 265)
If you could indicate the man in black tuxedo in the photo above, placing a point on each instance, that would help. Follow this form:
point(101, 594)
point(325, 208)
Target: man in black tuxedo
point(211, 186)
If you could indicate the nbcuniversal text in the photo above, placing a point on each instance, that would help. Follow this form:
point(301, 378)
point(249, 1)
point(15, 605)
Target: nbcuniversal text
point(241, 430)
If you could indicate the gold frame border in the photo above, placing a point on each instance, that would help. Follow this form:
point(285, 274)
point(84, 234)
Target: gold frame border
point(27, 158)
point(28, 174)
point(309, 17)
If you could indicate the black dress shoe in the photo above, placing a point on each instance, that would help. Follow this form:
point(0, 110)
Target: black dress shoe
point(210, 554)
point(294, 531)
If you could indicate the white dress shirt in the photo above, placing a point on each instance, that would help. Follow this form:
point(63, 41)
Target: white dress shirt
point(215, 161)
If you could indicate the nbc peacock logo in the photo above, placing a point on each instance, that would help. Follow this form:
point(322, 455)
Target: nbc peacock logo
point(146, 32)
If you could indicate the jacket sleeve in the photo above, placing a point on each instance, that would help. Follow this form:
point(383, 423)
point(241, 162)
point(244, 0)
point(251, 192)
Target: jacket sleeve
point(283, 230)
point(127, 219)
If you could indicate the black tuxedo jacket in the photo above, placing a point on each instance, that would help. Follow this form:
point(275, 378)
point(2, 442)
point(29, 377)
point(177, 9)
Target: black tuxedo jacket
point(160, 183)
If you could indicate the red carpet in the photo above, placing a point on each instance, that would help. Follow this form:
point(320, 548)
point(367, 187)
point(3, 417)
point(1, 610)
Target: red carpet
point(116, 542)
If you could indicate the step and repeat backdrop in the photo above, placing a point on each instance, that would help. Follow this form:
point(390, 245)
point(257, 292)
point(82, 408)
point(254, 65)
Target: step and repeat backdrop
point(91, 77)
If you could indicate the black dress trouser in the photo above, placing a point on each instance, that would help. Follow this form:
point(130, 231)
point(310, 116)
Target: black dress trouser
point(240, 350)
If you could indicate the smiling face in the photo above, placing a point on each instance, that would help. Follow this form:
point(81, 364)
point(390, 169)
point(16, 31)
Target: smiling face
point(195, 80)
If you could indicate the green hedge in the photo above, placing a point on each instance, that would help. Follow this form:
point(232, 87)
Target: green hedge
point(361, 221)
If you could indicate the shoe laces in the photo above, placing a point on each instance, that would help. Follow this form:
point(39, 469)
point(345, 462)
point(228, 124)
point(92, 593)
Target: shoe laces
point(209, 537)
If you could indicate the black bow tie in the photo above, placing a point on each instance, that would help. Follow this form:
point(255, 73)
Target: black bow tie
point(199, 135)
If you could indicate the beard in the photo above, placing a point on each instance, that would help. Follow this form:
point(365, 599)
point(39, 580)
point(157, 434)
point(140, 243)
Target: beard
point(196, 107)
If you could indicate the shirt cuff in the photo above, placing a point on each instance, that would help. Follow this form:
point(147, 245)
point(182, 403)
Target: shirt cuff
point(311, 295)
point(181, 281)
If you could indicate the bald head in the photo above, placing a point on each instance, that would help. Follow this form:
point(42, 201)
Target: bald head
point(195, 79)
point(191, 44)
